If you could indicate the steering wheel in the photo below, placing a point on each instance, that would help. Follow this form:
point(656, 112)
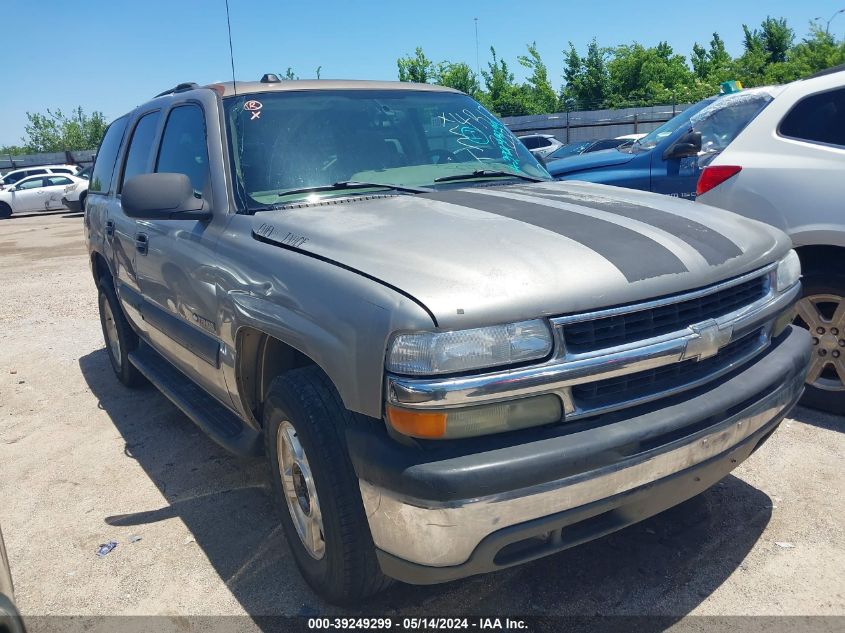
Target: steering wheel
point(441, 156)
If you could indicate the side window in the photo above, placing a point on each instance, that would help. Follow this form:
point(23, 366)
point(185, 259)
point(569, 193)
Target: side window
point(819, 118)
point(106, 157)
point(53, 181)
point(183, 145)
point(34, 183)
point(138, 156)
point(61, 171)
point(543, 142)
point(531, 142)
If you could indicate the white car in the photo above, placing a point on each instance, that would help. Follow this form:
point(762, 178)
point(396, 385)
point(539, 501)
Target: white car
point(16, 175)
point(787, 168)
point(540, 145)
point(42, 193)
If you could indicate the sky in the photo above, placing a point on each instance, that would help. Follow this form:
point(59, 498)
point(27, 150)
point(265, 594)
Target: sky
point(111, 55)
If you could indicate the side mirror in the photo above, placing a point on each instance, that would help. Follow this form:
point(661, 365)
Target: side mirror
point(162, 197)
point(688, 145)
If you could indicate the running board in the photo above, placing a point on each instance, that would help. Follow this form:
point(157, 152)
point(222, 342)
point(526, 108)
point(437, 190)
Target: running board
point(220, 424)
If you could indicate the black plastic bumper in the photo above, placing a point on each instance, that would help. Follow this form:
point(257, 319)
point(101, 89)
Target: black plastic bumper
point(765, 389)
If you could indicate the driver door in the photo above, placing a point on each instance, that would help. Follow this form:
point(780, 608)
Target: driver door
point(30, 194)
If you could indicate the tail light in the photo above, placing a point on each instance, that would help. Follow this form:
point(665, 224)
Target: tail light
point(714, 176)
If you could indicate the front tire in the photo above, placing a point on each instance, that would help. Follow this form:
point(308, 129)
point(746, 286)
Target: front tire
point(317, 489)
point(821, 310)
point(5, 211)
point(119, 336)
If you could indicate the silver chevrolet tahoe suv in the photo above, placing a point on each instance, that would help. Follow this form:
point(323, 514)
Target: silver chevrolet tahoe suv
point(453, 363)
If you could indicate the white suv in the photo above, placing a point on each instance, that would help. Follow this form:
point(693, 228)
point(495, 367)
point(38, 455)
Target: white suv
point(787, 168)
point(16, 175)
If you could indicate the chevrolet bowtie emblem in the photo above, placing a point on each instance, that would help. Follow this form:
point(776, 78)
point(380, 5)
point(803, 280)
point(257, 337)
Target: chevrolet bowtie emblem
point(708, 341)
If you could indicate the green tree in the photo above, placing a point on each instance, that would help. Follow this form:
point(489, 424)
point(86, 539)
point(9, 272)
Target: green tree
point(595, 87)
point(56, 132)
point(418, 69)
point(503, 96)
point(458, 76)
point(539, 94)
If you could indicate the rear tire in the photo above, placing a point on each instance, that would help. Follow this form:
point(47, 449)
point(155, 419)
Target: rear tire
point(322, 512)
point(118, 335)
point(821, 310)
point(5, 211)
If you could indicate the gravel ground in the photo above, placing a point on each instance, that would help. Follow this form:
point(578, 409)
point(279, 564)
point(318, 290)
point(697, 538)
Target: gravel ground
point(84, 461)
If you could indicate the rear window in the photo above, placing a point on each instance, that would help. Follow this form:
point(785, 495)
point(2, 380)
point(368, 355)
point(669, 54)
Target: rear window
point(107, 157)
point(819, 118)
point(721, 122)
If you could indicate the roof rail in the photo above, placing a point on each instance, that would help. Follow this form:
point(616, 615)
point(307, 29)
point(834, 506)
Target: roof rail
point(828, 71)
point(189, 85)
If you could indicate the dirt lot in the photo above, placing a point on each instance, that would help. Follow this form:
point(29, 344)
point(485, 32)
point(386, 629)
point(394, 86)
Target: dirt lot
point(84, 460)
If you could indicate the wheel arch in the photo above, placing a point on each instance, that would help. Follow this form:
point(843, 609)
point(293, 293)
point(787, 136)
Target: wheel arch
point(259, 358)
point(100, 267)
point(821, 258)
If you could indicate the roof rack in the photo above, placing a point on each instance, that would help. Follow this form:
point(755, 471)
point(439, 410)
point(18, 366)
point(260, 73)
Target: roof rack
point(189, 85)
point(828, 71)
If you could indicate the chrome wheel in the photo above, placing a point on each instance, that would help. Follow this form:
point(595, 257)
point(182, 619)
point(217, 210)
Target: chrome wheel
point(824, 316)
point(110, 328)
point(299, 491)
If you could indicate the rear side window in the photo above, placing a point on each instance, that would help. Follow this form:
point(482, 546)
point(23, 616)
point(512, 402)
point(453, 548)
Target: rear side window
point(819, 118)
point(138, 156)
point(58, 180)
point(106, 157)
point(183, 145)
point(531, 143)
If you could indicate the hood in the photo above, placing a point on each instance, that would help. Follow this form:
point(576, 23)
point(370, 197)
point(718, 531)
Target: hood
point(495, 254)
point(590, 160)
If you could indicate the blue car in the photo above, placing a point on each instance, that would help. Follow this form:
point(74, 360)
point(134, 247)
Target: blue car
point(669, 160)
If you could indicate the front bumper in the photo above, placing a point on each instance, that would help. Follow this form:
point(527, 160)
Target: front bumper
point(436, 520)
point(74, 205)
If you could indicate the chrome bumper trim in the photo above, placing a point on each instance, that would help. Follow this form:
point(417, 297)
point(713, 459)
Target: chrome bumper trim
point(442, 535)
point(558, 375)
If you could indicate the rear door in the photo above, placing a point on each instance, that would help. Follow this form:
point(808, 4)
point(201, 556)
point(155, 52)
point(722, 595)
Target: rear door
point(135, 160)
point(54, 187)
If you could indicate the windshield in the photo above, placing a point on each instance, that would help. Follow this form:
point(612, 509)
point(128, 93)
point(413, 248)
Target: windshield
point(650, 140)
point(287, 141)
point(569, 150)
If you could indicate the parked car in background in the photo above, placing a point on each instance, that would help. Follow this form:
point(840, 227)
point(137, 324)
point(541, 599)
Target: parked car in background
point(584, 147)
point(16, 175)
point(10, 619)
point(787, 168)
point(42, 193)
point(669, 159)
point(541, 145)
point(85, 173)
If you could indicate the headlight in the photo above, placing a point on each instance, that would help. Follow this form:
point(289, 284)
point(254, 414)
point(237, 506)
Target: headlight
point(789, 271)
point(427, 353)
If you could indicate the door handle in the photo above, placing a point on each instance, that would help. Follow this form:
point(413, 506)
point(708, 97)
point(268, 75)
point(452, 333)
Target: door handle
point(141, 243)
point(109, 228)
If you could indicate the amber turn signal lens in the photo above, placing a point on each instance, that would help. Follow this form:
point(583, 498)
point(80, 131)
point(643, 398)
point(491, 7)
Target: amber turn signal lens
point(417, 423)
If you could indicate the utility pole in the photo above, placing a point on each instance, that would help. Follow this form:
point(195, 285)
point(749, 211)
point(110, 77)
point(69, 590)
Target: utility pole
point(477, 64)
point(827, 28)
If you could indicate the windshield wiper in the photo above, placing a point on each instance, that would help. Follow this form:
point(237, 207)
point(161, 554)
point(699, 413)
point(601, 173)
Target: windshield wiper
point(487, 173)
point(355, 184)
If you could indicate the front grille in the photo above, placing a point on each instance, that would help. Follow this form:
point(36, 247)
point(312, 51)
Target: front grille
point(587, 336)
point(667, 378)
